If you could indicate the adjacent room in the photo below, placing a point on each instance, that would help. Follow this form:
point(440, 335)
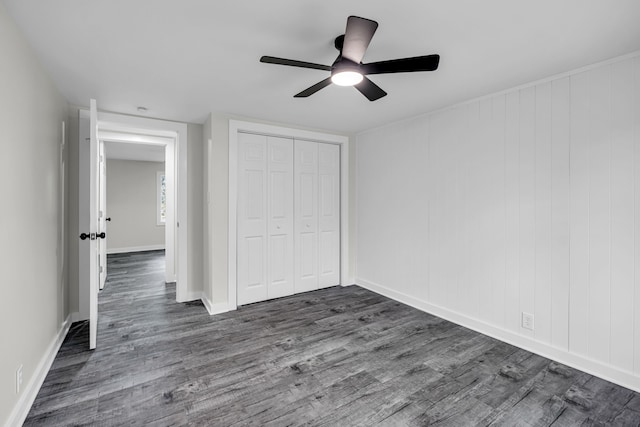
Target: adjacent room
point(135, 206)
point(301, 213)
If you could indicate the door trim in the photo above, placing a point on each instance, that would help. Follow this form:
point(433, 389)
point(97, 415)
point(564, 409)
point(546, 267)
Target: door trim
point(236, 126)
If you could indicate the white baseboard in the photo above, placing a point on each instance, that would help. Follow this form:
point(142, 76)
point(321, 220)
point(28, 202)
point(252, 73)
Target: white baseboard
point(135, 249)
point(30, 391)
point(605, 371)
point(218, 308)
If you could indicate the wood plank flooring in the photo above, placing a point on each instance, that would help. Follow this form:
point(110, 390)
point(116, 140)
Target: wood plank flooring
point(334, 357)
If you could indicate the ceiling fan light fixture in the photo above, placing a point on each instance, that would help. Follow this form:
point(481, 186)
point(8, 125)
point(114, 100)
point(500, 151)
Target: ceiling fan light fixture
point(346, 78)
point(348, 69)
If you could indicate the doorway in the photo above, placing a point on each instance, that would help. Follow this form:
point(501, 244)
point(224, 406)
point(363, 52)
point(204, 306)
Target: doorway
point(137, 130)
point(134, 197)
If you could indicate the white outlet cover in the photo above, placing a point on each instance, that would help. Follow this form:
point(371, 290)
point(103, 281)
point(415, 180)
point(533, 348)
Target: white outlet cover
point(18, 379)
point(527, 321)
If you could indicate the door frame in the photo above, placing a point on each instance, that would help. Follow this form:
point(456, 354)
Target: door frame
point(236, 126)
point(169, 159)
point(166, 130)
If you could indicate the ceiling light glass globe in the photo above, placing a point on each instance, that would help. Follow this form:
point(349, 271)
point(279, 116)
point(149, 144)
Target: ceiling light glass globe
point(346, 78)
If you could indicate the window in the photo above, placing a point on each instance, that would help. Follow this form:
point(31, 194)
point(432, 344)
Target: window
point(161, 208)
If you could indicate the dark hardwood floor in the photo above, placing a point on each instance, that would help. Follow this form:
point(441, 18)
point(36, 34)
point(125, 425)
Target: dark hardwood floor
point(334, 357)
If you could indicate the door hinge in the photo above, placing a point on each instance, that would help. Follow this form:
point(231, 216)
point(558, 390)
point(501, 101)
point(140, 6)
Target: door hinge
point(100, 269)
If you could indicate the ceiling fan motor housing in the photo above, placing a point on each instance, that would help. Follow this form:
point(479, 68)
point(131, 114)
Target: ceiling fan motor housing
point(343, 64)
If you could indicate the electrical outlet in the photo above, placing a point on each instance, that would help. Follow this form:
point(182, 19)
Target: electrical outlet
point(527, 321)
point(18, 379)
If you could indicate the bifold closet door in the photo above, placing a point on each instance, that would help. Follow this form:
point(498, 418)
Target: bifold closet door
point(317, 215)
point(306, 215)
point(328, 215)
point(280, 217)
point(265, 218)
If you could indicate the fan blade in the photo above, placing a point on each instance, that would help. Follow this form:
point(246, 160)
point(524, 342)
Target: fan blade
point(369, 89)
point(313, 89)
point(357, 37)
point(294, 63)
point(404, 65)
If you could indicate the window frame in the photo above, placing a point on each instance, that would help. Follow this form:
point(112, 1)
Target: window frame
point(160, 177)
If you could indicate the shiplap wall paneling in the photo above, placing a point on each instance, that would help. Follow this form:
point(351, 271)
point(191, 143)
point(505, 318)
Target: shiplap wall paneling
point(532, 205)
point(526, 196)
point(498, 215)
point(411, 223)
point(560, 139)
point(599, 213)
point(468, 190)
point(542, 197)
point(401, 220)
point(491, 239)
point(622, 210)
point(579, 215)
point(512, 211)
point(442, 237)
point(407, 214)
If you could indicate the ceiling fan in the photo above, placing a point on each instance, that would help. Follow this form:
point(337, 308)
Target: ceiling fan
point(348, 70)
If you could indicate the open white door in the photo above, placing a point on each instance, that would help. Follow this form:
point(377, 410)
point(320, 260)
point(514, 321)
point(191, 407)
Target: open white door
point(102, 216)
point(94, 192)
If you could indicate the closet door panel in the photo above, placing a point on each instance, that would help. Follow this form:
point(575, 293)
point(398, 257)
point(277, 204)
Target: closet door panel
point(328, 215)
point(306, 216)
point(252, 218)
point(280, 217)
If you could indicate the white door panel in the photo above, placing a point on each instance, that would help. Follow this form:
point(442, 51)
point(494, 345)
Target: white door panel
point(94, 206)
point(252, 218)
point(306, 216)
point(329, 215)
point(280, 217)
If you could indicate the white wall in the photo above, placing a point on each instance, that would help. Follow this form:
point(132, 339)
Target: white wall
point(34, 307)
point(218, 210)
point(526, 201)
point(195, 185)
point(207, 246)
point(132, 205)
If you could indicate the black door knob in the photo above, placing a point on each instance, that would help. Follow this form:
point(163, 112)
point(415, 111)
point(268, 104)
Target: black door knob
point(101, 235)
point(84, 236)
point(108, 219)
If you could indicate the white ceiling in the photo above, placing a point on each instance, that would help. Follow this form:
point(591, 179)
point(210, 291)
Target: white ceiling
point(185, 58)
